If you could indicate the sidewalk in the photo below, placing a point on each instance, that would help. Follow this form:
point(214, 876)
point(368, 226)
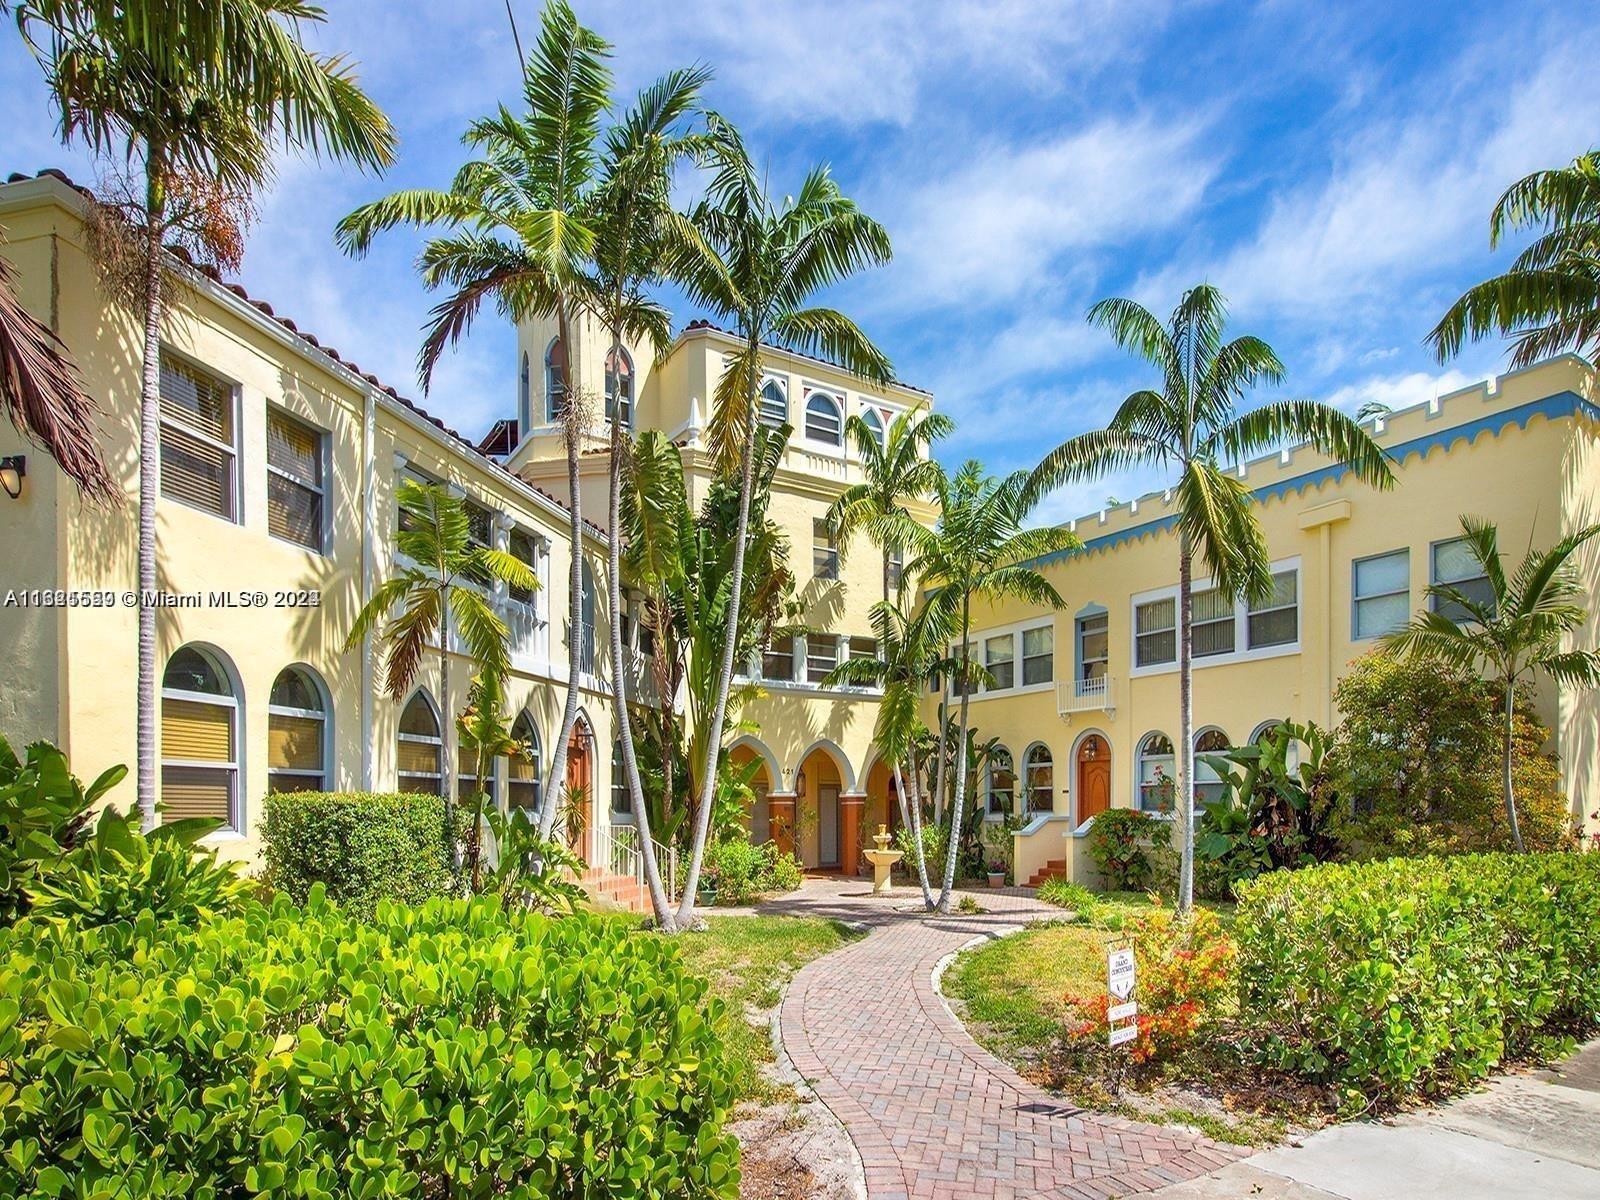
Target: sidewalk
point(1524, 1137)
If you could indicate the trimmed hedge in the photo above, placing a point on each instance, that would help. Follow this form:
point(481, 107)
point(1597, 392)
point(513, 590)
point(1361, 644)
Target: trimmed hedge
point(450, 1049)
point(362, 846)
point(1417, 976)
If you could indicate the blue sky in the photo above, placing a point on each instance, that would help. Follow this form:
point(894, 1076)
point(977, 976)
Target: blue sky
point(1330, 167)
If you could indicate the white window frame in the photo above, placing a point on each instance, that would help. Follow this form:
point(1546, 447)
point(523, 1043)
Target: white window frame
point(1139, 760)
point(1433, 570)
point(1241, 615)
point(1357, 599)
point(834, 399)
point(815, 642)
point(627, 411)
point(323, 439)
point(423, 740)
point(991, 660)
point(873, 420)
point(1211, 779)
point(235, 452)
point(1028, 787)
point(551, 416)
point(827, 565)
point(761, 402)
point(235, 767)
point(314, 681)
point(1017, 631)
point(990, 812)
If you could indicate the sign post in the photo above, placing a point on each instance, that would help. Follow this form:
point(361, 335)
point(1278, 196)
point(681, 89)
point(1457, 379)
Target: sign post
point(1121, 979)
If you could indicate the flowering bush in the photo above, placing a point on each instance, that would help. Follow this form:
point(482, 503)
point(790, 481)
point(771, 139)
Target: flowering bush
point(1123, 843)
point(1185, 970)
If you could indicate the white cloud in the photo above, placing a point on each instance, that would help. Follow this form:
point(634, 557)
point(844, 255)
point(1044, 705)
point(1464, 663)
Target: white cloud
point(1407, 196)
point(1005, 217)
point(1397, 391)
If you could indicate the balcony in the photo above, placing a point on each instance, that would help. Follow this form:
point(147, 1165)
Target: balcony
point(1085, 695)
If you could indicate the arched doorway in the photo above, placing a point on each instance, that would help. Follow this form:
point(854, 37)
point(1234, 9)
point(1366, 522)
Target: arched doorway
point(1094, 776)
point(746, 756)
point(821, 781)
point(580, 788)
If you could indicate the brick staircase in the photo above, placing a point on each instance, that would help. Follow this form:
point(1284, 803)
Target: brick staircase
point(1056, 868)
point(614, 891)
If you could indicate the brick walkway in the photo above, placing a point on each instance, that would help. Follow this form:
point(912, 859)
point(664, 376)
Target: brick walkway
point(933, 1115)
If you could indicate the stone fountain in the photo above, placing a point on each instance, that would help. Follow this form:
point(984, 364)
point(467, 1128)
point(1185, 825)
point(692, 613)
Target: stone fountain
point(881, 858)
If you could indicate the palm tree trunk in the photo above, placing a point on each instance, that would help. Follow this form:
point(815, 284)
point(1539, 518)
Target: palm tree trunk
point(730, 641)
point(475, 841)
point(149, 486)
point(915, 825)
point(1184, 802)
point(943, 744)
point(555, 792)
point(659, 901)
point(1505, 767)
point(960, 769)
point(447, 722)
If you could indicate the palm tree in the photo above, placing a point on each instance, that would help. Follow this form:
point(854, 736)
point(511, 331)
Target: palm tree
point(757, 265)
point(43, 395)
point(194, 92)
point(440, 581)
point(482, 730)
point(1549, 300)
point(911, 654)
point(895, 471)
point(636, 235)
point(1191, 425)
point(1514, 632)
point(980, 549)
point(521, 233)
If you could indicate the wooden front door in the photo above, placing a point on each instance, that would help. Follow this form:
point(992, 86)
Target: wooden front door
point(1094, 777)
point(828, 825)
point(580, 776)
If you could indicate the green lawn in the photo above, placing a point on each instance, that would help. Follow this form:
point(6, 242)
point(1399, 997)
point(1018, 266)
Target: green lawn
point(747, 960)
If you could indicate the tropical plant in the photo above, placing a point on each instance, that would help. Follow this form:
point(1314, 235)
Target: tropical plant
point(485, 735)
point(361, 848)
point(980, 550)
point(1190, 425)
point(1549, 300)
point(894, 472)
point(1271, 815)
point(529, 871)
point(637, 234)
point(1513, 632)
point(436, 588)
point(521, 228)
point(44, 812)
point(194, 92)
point(1412, 740)
point(758, 264)
point(42, 393)
point(911, 652)
point(1126, 845)
point(1063, 893)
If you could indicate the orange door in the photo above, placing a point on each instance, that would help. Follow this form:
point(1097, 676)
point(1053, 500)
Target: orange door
point(1094, 778)
point(578, 798)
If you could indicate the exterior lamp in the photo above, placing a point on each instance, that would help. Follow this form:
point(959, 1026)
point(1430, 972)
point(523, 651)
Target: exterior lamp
point(800, 783)
point(12, 470)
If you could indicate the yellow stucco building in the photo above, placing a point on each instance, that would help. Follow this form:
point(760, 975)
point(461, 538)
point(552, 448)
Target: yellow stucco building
point(278, 514)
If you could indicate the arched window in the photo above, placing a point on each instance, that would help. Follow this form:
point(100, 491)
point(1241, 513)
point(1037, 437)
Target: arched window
point(1038, 778)
point(1156, 773)
point(525, 771)
point(199, 738)
point(297, 733)
point(524, 397)
point(420, 751)
point(621, 802)
point(467, 776)
point(555, 386)
point(774, 405)
point(823, 423)
point(874, 424)
point(1259, 735)
point(1208, 786)
point(619, 386)
point(586, 647)
point(1002, 783)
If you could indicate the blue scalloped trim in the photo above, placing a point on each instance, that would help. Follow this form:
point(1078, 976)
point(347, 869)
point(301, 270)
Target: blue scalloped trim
point(1561, 404)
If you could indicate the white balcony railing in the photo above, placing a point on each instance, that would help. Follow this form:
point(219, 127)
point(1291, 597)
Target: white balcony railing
point(1085, 695)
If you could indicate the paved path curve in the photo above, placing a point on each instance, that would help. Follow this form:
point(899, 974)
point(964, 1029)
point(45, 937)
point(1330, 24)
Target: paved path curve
point(933, 1115)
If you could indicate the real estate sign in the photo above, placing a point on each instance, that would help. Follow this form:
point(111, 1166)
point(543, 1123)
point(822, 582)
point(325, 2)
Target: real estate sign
point(1121, 978)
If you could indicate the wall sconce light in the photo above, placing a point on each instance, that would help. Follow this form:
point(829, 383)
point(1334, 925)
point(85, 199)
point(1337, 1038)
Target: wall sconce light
point(800, 783)
point(12, 470)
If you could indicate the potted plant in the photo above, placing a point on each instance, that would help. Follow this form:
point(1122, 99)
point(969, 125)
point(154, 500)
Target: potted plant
point(997, 873)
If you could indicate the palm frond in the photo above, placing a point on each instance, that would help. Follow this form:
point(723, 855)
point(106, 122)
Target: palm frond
point(1323, 427)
